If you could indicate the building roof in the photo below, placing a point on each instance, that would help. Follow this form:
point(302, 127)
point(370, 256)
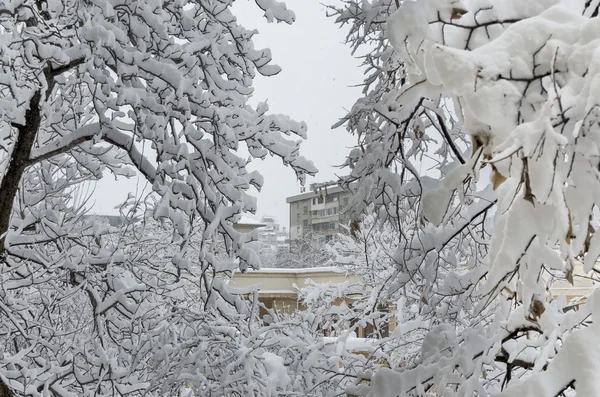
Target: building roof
point(325, 269)
point(113, 220)
point(277, 291)
point(312, 193)
point(288, 281)
point(246, 220)
point(352, 343)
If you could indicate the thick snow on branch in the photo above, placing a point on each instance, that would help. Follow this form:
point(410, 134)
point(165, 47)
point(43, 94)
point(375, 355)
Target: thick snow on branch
point(140, 305)
point(478, 142)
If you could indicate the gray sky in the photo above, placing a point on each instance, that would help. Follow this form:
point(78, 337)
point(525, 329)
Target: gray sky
point(313, 86)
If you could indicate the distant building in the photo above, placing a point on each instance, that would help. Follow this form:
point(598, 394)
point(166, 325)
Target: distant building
point(247, 224)
point(575, 293)
point(278, 289)
point(318, 211)
point(112, 220)
point(271, 236)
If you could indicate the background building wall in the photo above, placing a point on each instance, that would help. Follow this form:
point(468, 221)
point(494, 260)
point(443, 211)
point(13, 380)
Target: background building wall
point(319, 211)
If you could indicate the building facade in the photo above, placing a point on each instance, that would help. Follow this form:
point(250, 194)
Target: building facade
point(575, 293)
point(278, 290)
point(318, 211)
point(272, 236)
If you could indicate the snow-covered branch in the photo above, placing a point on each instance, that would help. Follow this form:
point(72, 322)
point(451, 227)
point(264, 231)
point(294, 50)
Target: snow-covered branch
point(477, 133)
point(141, 306)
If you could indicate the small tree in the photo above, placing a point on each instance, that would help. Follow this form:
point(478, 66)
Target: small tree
point(366, 257)
point(305, 251)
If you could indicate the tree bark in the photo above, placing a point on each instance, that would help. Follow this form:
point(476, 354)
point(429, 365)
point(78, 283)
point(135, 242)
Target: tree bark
point(4, 390)
point(10, 183)
point(18, 162)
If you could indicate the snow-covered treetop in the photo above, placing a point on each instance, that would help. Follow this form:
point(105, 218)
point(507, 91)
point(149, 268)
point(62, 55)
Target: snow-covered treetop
point(164, 83)
point(159, 88)
point(524, 93)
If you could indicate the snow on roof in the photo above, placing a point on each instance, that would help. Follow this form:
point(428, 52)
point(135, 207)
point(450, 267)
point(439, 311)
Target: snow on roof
point(277, 291)
point(246, 220)
point(352, 343)
point(574, 288)
point(325, 269)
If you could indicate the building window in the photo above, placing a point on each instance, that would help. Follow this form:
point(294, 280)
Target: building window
point(329, 199)
point(321, 200)
point(298, 229)
point(345, 200)
point(378, 328)
point(315, 212)
point(305, 210)
point(328, 238)
point(314, 201)
point(328, 212)
point(305, 223)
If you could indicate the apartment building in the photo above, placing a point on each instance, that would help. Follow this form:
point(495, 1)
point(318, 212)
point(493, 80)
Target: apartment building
point(319, 211)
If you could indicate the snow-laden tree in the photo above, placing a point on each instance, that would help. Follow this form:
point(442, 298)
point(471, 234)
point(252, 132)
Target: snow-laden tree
point(305, 251)
point(478, 136)
point(364, 302)
point(154, 87)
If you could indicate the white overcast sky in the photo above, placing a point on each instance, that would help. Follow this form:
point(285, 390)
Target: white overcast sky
point(314, 86)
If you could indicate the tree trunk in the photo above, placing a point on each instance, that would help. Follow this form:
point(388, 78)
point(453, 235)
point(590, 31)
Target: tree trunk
point(4, 390)
point(10, 183)
point(17, 163)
